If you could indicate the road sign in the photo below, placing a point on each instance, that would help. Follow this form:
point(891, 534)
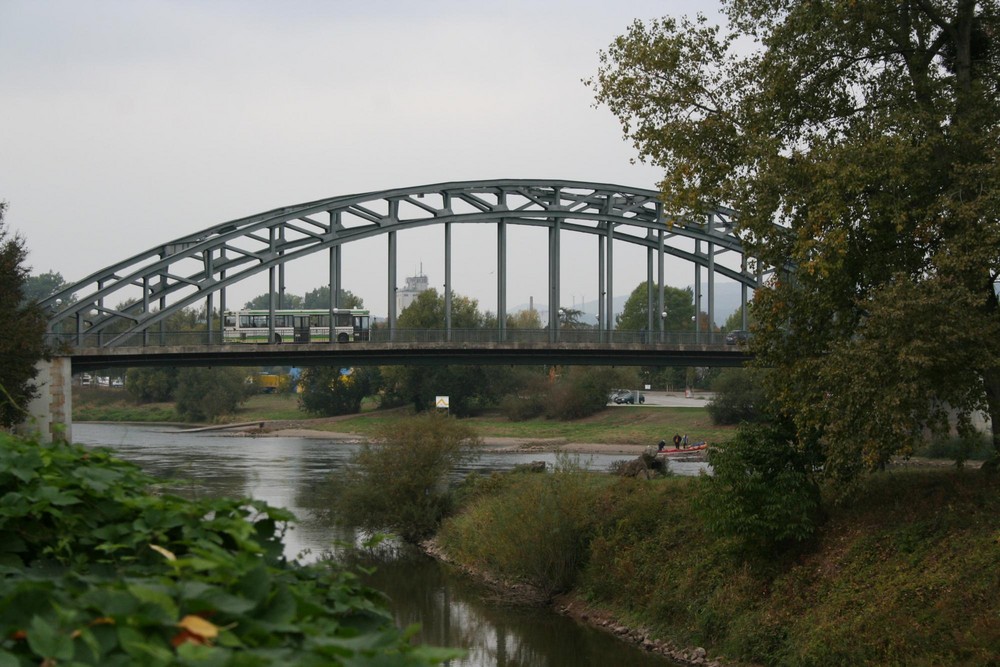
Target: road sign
point(441, 402)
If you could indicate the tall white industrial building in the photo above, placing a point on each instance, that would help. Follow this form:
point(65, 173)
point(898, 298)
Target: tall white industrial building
point(407, 295)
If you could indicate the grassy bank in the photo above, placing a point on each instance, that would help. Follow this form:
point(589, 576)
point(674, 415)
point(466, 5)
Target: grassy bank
point(903, 573)
point(625, 425)
point(113, 405)
point(101, 404)
point(614, 425)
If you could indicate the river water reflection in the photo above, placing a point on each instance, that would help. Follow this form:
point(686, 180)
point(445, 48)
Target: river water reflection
point(293, 473)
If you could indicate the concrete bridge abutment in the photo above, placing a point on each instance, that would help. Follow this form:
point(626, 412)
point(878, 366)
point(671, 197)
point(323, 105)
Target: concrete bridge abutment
point(50, 414)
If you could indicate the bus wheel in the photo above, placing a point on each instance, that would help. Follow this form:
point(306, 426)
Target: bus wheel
point(277, 338)
point(343, 338)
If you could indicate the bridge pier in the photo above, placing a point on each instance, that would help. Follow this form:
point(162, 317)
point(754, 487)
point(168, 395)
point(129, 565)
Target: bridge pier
point(50, 414)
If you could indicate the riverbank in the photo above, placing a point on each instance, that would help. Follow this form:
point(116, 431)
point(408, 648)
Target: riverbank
point(624, 429)
point(901, 572)
point(490, 444)
point(575, 607)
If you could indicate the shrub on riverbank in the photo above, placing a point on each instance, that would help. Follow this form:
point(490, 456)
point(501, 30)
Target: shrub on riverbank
point(397, 481)
point(97, 571)
point(902, 573)
point(533, 528)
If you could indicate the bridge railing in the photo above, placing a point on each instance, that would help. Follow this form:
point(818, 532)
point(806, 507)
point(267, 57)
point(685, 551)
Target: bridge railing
point(591, 337)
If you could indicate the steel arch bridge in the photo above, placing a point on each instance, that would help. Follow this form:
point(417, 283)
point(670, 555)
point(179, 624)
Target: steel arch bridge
point(199, 267)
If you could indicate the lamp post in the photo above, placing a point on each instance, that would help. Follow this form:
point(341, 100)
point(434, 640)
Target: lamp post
point(663, 325)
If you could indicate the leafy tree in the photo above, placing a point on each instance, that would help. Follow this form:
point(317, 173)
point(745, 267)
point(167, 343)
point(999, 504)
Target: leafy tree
point(320, 298)
point(151, 385)
point(22, 329)
point(469, 388)
point(398, 482)
point(42, 286)
point(859, 143)
point(524, 319)
point(679, 304)
point(262, 302)
point(328, 392)
point(569, 318)
point(427, 312)
point(203, 394)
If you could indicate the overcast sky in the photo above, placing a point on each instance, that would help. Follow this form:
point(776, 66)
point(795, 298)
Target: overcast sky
point(127, 123)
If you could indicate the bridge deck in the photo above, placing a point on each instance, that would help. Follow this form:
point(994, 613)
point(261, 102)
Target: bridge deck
point(409, 353)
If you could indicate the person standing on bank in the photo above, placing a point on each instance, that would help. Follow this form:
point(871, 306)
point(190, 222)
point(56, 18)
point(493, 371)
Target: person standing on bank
point(677, 441)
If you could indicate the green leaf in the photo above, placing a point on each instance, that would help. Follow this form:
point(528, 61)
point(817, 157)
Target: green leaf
point(158, 598)
point(282, 607)
point(55, 496)
point(23, 465)
point(48, 641)
point(97, 479)
point(146, 651)
point(256, 584)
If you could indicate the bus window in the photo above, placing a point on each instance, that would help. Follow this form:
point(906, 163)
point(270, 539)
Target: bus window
point(319, 320)
point(343, 319)
point(282, 320)
point(230, 322)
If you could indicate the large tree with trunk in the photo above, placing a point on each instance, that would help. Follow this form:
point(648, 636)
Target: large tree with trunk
point(858, 140)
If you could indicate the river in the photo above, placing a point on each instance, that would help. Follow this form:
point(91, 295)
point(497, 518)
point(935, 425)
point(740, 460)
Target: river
point(292, 472)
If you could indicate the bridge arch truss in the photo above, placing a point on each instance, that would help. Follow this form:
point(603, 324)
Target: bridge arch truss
point(198, 268)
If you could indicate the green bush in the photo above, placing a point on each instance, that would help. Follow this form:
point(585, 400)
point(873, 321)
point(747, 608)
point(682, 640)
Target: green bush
point(398, 482)
point(327, 392)
point(762, 491)
point(151, 385)
point(959, 449)
point(901, 572)
point(98, 571)
point(534, 528)
point(205, 394)
point(581, 392)
point(738, 397)
point(522, 408)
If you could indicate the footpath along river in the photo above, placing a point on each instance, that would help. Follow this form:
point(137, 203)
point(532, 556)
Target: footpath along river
point(292, 472)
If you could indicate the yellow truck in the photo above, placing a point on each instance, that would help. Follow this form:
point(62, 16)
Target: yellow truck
point(267, 383)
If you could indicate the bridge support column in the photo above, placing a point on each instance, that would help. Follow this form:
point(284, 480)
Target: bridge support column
point(50, 414)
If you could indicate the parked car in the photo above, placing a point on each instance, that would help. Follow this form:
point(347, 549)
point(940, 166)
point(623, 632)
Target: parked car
point(616, 395)
point(737, 337)
point(629, 397)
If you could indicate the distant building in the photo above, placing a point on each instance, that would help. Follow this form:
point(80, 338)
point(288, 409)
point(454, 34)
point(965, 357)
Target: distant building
point(414, 286)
